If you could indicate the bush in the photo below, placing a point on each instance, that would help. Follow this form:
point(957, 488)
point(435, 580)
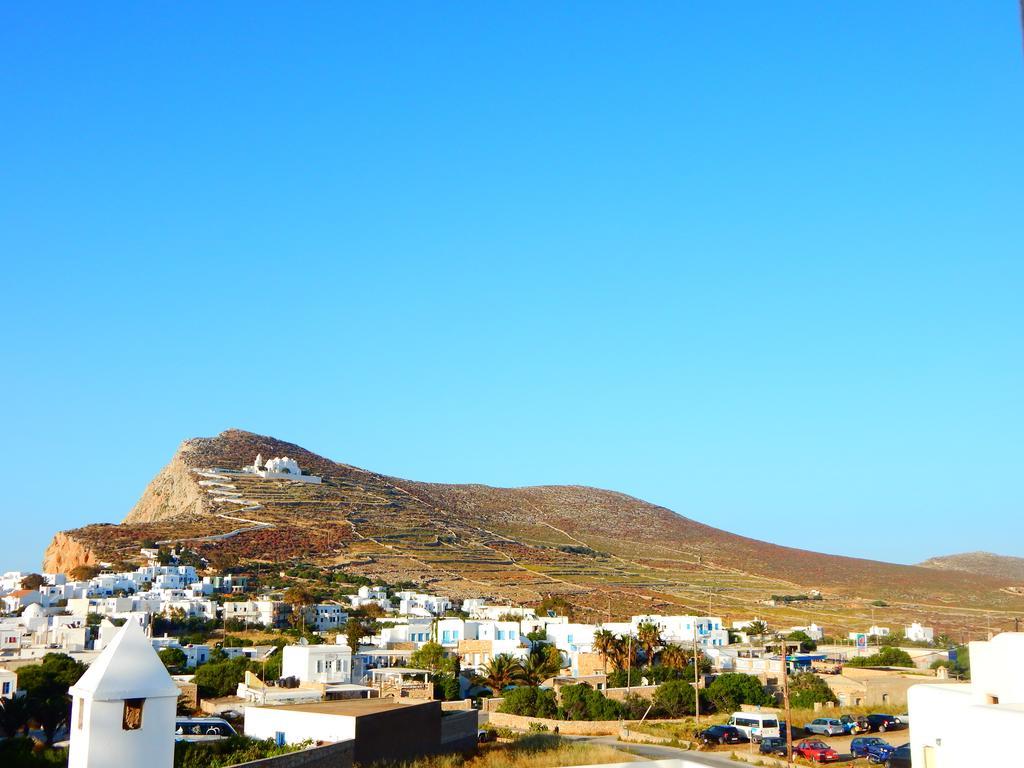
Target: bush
point(581, 702)
point(446, 686)
point(221, 678)
point(226, 752)
point(730, 690)
point(23, 753)
point(530, 701)
point(676, 698)
point(807, 689)
point(886, 657)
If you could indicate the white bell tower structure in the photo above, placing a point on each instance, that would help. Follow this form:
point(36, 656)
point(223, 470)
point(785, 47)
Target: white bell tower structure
point(123, 707)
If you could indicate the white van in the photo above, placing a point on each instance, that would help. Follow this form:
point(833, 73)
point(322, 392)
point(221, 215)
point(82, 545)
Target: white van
point(756, 725)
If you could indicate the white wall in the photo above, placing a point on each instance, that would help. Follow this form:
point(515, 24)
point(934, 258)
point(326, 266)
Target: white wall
point(103, 743)
point(297, 726)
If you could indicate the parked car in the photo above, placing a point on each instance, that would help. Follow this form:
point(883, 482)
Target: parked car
point(721, 734)
point(855, 725)
point(873, 748)
point(771, 745)
point(826, 726)
point(483, 735)
point(185, 727)
point(816, 751)
point(883, 723)
point(900, 758)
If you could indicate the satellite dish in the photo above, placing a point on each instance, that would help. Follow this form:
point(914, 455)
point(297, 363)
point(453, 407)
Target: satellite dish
point(303, 641)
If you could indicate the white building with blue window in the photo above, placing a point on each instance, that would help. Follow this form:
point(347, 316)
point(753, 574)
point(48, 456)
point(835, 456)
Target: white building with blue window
point(319, 663)
point(708, 631)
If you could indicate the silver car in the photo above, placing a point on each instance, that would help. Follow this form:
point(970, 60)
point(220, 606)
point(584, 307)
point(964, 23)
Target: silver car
point(826, 726)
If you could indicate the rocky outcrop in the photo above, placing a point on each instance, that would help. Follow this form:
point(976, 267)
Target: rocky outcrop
point(65, 553)
point(174, 491)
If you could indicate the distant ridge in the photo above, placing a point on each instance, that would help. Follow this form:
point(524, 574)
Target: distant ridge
point(1002, 567)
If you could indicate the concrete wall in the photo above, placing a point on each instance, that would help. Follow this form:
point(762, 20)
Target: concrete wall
point(297, 726)
point(619, 694)
point(458, 731)
point(329, 756)
point(397, 735)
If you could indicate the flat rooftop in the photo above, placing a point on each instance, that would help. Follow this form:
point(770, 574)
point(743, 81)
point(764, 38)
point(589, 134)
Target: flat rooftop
point(349, 707)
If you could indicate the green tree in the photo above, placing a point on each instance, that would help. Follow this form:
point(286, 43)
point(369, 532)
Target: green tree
point(32, 581)
point(446, 686)
point(807, 689)
point(886, 657)
point(221, 678)
point(433, 657)
point(298, 597)
point(83, 572)
point(530, 702)
point(14, 715)
point(676, 698)
point(46, 690)
point(581, 702)
point(730, 690)
point(174, 659)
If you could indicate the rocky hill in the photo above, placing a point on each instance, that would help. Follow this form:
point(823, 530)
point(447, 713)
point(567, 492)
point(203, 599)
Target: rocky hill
point(604, 552)
point(1001, 567)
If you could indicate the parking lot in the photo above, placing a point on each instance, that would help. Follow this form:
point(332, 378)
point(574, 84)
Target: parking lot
point(840, 744)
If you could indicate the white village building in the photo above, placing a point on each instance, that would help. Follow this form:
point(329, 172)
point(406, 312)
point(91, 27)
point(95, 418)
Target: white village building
point(123, 707)
point(916, 633)
point(960, 725)
point(281, 468)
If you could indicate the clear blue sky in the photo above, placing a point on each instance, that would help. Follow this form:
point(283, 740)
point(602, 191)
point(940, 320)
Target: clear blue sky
point(757, 262)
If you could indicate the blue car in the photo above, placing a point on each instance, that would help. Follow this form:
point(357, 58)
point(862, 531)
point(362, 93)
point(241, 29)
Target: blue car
point(873, 748)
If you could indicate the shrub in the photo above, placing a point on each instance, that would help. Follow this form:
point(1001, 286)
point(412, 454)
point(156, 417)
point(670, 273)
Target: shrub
point(530, 701)
point(807, 689)
point(676, 698)
point(730, 690)
point(886, 657)
point(581, 702)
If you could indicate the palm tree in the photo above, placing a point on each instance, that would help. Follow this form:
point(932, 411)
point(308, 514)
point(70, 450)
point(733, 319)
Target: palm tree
point(648, 637)
point(673, 656)
point(500, 672)
point(299, 597)
point(538, 667)
point(604, 642)
point(756, 628)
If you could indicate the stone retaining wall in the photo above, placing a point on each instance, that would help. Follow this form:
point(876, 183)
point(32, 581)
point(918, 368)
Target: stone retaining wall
point(569, 727)
point(330, 756)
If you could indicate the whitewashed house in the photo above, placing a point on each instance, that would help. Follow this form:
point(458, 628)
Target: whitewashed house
point(123, 707)
point(8, 683)
point(318, 663)
point(960, 725)
point(916, 633)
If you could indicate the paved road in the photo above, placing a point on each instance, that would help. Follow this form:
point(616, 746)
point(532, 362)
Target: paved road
point(659, 751)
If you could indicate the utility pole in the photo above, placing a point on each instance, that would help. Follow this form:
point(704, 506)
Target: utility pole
point(785, 699)
point(629, 660)
point(696, 674)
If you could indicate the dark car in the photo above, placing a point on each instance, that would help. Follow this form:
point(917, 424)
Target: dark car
point(770, 745)
point(883, 723)
point(720, 734)
point(873, 748)
point(900, 758)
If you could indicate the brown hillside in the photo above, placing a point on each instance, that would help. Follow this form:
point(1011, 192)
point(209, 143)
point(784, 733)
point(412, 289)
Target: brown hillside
point(603, 551)
point(1000, 567)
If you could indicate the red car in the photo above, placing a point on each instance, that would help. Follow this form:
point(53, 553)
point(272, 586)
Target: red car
point(816, 751)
